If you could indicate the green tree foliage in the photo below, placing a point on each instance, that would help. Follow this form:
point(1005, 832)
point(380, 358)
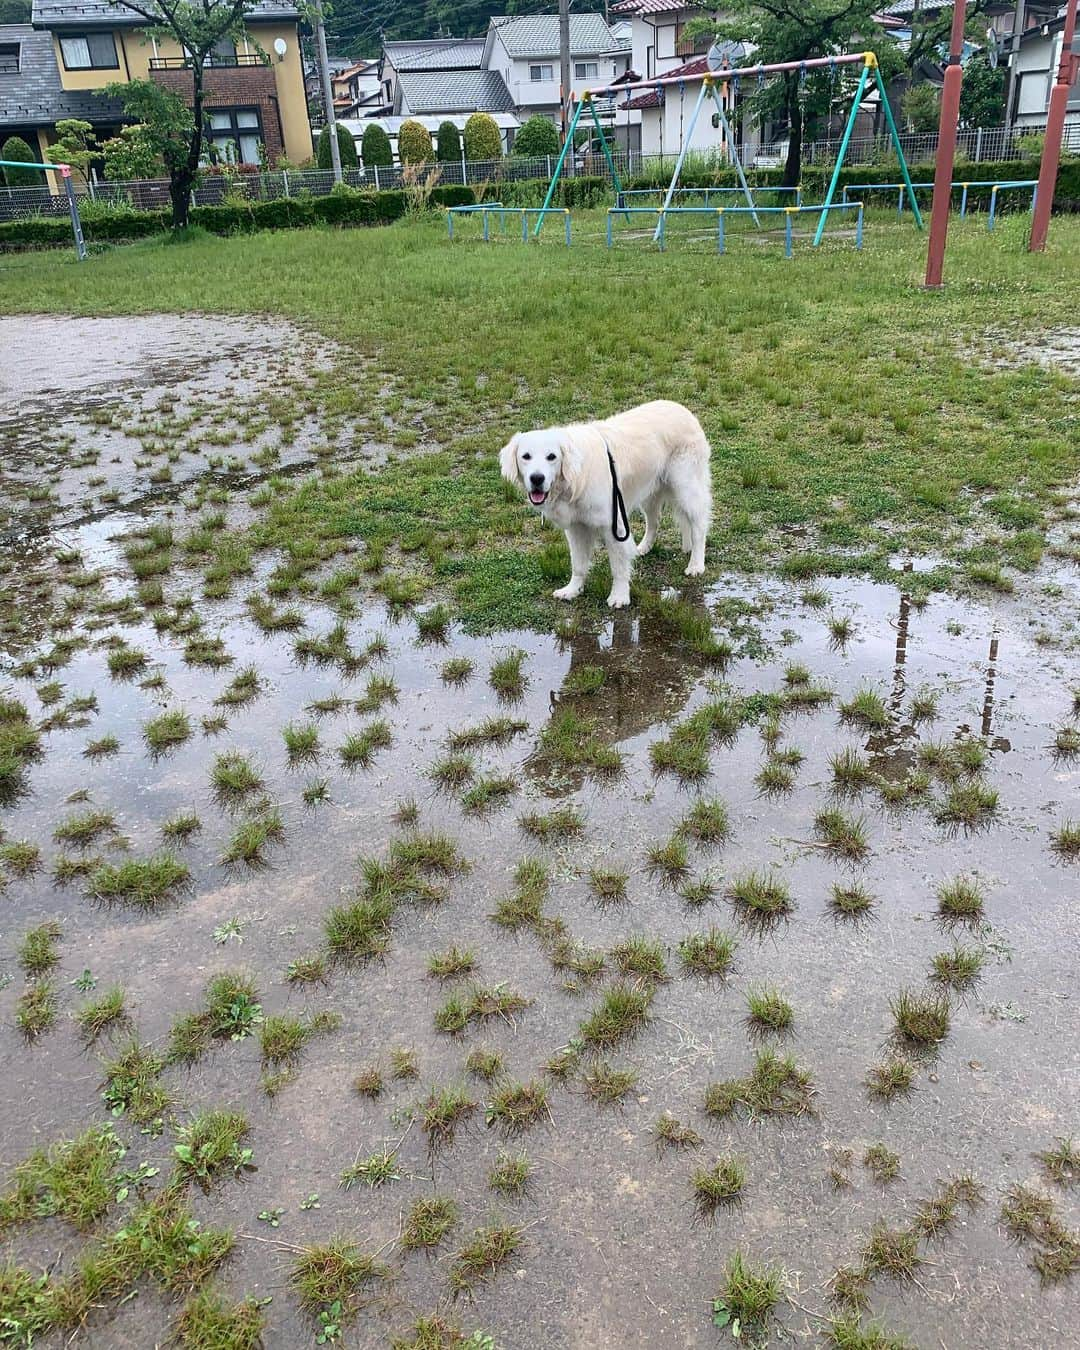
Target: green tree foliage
point(482, 138)
point(982, 93)
point(359, 25)
point(16, 148)
point(922, 107)
point(15, 11)
point(74, 145)
point(414, 143)
point(797, 30)
point(346, 148)
point(448, 143)
point(167, 126)
point(134, 153)
point(375, 148)
point(537, 137)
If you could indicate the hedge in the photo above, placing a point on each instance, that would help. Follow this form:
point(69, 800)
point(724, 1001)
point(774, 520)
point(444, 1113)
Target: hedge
point(350, 207)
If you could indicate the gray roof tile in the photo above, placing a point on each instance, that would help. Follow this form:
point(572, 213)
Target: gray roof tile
point(34, 98)
point(455, 91)
point(102, 14)
point(438, 54)
point(538, 34)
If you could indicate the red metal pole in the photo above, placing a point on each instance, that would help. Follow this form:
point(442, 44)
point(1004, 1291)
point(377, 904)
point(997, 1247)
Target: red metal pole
point(946, 151)
point(1055, 126)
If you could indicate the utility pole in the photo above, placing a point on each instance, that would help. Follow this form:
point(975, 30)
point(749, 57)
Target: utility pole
point(327, 91)
point(1019, 19)
point(1055, 127)
point(564, 61)
point(946, 151)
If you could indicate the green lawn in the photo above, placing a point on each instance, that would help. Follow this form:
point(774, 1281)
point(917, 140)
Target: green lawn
point(849, 411)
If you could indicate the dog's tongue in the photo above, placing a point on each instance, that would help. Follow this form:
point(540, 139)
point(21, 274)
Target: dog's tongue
point(537, 497)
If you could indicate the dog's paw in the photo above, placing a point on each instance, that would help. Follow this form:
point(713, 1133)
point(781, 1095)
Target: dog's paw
point(570, 592)
point(694, 571)
point(643, 548)
point(618, 600)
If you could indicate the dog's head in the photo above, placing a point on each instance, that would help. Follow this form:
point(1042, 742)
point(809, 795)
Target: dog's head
point(543, 463)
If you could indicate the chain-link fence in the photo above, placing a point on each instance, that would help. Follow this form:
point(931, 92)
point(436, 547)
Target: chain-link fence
point(993, 143)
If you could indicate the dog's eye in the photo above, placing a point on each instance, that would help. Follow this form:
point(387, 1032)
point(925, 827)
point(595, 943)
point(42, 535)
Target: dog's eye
point(550, 458)
point(526, 456)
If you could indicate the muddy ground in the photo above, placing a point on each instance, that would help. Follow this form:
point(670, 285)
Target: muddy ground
point(612, 1252)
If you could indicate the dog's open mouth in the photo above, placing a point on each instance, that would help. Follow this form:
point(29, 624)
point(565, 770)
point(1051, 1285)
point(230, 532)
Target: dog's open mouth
point(537, 498)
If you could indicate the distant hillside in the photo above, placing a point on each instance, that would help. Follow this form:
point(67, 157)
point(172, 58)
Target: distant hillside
point(357, 27)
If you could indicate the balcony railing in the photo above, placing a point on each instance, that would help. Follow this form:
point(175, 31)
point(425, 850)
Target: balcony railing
point(213, 60)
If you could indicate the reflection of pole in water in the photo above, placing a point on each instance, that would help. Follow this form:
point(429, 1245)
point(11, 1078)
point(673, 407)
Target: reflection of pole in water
point(903, 619)
point(991, 678)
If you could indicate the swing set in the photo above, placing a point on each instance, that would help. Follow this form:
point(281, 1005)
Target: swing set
point(722, 86)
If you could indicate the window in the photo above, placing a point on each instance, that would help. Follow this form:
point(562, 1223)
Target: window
point(223, 53)
point(586, 70)
point(9, 58)
point(235, 134)
point(540, 73)
point(89, 51)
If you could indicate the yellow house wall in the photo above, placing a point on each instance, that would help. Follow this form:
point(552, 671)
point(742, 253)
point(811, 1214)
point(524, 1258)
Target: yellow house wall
point(134, 51)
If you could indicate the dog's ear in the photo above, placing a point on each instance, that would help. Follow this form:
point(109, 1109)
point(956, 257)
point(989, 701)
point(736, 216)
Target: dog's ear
point(572, 468)
point(508, 465)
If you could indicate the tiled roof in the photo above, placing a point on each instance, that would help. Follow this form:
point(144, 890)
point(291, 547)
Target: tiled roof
point(654, 97)
point(102, 14)
point(655, 6)
point(538, 34)
point(455, 91)
point(33, 97)
point(440, 54)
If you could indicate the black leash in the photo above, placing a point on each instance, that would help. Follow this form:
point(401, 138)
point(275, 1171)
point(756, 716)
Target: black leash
point(618, 506)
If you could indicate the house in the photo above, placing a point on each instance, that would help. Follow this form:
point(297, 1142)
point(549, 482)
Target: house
point(658, 41)
point(357, 89)
point(666, 111)
point(437, 54)
point(525, 53)
point(1036, 59)
point(255, 102)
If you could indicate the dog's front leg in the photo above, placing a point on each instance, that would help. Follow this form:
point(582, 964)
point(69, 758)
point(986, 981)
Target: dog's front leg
point(621, 557)
point(580, 539)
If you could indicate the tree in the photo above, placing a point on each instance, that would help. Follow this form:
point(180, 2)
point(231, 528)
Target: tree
point(537, 137)
point(375, 148)
point(922, 107)
point(482, 138)
point(414, 143)
point(346, 148)
point(134, 153)
point(168, 127)
point(15, 148)
point(448, 143)
point(73, 145)
point(15, 11)
point(795, 30)
point(982, 94)
point(197, 27)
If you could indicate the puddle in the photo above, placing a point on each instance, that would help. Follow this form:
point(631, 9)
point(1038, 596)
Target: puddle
point(611, 1255)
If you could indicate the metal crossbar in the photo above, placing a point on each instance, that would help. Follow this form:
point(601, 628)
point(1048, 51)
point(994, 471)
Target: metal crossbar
point(965, 186)
point(64, 170)
point(719, 212)
point(486, 210)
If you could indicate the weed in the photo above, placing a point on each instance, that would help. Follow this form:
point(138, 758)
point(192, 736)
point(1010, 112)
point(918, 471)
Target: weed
point(619, 1016)
point(563, 823)
point(960, 902)
point(107, 1013)
point(484, 1064)
point(893, 1252)
point(252, 837)
point(369, 1082)
point(211, 1143)
point(316, 792)
point(924, 705)
point(20, 857)
point(37, 951)
point(959, 969)
point(282, 1037)
point(1061, 1164)
point(487, 1251)
point(453, 771)
point(452, 963)
point(333, 1274)
point(768, 1012)
point(442, 1113)
point(584, 680)
point(307, 969)
point(849, 1333)
point(358, 749)
point(132, 1084)
point(380, 689)
point(890, 1079)
point(168, 730)
point(36, 1009)
point(103, 748)
point(570, 742)
point(84, 828)
point(301, 742)
point(841, 835)
point(492, 731)
point(696, 893)
point(75, 1179)
point(428, 1221)
point(607, 1084)
point(670, 861)
point(922, 1019)
point(707, 823)
point(671, 1133)
point(636, 956)
point(208, 1321)
point(849, 1287)
point(242, 689)
point(850, 902)
point(717, 1187)
point(234, 777)
point(180, 828)
point(359, 931)
point(840, 629)
point(850, 771)
point(760, 899)
point(432, 625)
point(376, 1170)
point(516, 1107)
point(867, 709)
point(1066, 839)
point(968, 804)
point(608, 885)
point(510, 1175)
point(403, 1064)
point(709, 955)
point(748, 1294)
point(882, 1163)
point(506, 676)
point(775, 1087)
point(457, 670)
point(488, 791)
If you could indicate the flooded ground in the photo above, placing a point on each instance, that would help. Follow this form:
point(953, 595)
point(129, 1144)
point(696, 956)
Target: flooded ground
point(610, 1247)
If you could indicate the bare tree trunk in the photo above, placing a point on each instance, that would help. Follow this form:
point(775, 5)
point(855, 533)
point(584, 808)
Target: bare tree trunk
point(183, 179)
point(793, 166)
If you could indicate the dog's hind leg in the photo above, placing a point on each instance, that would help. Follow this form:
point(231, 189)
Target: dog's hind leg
point(692, 493)
point(621, 557)
point(684, 528)
point(653, 509)
point(580, 539)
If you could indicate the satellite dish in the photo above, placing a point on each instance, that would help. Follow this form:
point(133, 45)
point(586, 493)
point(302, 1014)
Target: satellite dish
point(716, 59)
point(992, 53)
point(281, 47)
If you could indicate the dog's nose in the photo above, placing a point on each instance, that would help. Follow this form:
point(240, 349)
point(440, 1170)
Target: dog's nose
point(536, 479)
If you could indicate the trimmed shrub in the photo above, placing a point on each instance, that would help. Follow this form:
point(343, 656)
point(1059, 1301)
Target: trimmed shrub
point(346, 147)
point(414, 144)
point(16, 148)
point(537, 137)
point(482, 138)
point(375, 148)
point(448, 143)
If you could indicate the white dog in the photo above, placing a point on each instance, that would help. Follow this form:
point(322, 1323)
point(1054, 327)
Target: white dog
point(578, 477)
